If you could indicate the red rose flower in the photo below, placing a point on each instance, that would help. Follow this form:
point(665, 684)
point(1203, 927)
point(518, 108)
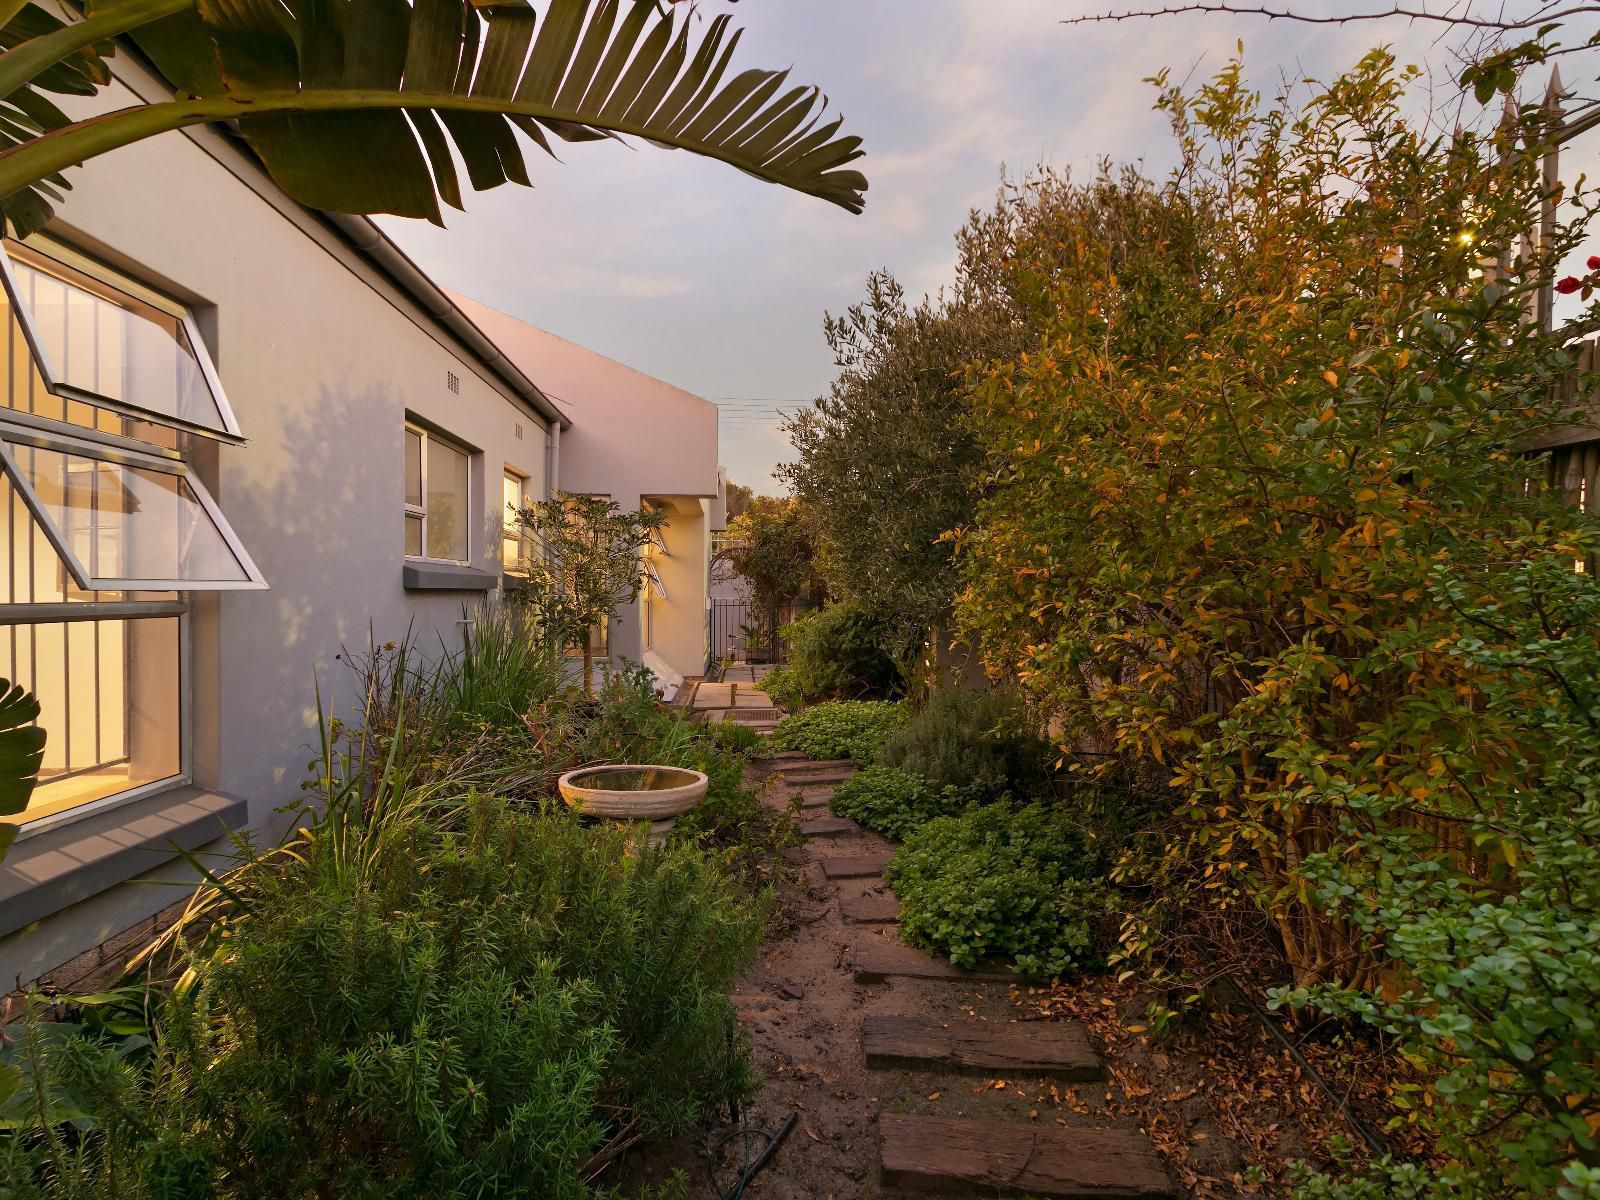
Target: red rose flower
point(1568, 285)
point(1594, 262)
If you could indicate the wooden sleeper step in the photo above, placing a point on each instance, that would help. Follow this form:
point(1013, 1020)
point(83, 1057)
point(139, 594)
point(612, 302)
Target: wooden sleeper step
point(878, 960)
point(828, 827)
point(859, 867)
point(943, 1154)
point(870, 910)
point(1057, 1049)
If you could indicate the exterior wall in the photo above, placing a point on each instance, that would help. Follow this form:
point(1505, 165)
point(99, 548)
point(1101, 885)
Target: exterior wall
point(323, 360)
point(632, 438)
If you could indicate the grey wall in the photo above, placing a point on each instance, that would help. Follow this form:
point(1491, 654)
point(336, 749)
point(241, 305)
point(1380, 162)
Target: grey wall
point(322, 360)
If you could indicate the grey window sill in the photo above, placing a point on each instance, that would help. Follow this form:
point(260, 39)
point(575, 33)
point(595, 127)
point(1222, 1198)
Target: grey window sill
point(446, 577)
point(55, 869)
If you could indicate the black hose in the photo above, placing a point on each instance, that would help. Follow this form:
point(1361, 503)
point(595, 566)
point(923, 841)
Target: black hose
point(749, 1168)
point(1374, 1143)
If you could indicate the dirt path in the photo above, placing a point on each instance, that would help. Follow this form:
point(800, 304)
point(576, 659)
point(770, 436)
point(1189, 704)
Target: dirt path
point(953, 1058)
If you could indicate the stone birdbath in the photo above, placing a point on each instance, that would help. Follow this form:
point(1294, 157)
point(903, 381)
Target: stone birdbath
point(634, 793)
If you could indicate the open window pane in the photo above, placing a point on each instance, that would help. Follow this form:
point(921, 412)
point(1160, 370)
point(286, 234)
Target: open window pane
point(100, 344)
point(120, 525)
point(446, 502)
point(653, 583)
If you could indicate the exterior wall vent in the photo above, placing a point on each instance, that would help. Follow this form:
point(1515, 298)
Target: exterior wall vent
point(519, 431)
point(453, 382)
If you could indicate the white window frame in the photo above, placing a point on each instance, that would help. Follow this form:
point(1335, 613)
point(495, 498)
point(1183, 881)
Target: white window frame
point(100, 452)
point(421, 510)
point(510, 530)
point(57, 386)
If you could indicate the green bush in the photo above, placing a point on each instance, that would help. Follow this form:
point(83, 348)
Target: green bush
point(782, 687)
point(841, 652)
point(894, 802)
point(853, 729)
point(987, 741)
point(414, 1012)
point(1023, 884)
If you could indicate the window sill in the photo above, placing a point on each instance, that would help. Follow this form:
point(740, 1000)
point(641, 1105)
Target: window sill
point(446, 577)
point(59, 867)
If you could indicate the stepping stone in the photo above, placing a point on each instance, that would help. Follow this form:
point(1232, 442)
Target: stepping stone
point(878, 961)
point(870, 910)
point(1059, 1049)
point(828, 779)
point(828, 827)
point(860, 867)
point(813, 803)
point(997, 1159)
point(801, 763)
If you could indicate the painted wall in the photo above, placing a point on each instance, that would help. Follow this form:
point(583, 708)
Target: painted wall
point(633, 437)
point(323, 361)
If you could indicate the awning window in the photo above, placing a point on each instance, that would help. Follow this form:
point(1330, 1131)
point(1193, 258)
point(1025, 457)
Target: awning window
point(122, 521)
point(652, 579)
point(104, 340)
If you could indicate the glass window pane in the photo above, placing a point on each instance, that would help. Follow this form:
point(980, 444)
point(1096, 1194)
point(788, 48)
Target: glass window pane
point(446, 502)
point(108, 698)
point(413, 467)
point(414, 536)
point(110, 343)
point(128, 522)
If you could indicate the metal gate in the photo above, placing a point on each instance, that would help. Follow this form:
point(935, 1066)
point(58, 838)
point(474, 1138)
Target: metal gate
point(745, 632)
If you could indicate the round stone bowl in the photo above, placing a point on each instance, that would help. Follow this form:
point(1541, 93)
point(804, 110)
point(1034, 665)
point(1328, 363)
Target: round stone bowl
point(626, 792)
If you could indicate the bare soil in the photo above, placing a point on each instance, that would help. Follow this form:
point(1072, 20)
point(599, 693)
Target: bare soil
point(1222, 1101)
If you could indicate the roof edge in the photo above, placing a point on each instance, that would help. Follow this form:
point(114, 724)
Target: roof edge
point(365, 236)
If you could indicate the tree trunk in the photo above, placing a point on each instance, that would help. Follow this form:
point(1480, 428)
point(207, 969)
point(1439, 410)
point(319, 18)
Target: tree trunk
point(588, 660)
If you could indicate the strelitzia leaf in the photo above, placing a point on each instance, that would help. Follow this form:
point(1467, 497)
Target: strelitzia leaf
point(364, 105)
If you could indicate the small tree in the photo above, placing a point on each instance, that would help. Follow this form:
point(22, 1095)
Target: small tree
point(772, 544)
point(585, 567)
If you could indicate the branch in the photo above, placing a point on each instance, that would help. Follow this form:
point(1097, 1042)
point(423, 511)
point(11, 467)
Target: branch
point(1285, 14)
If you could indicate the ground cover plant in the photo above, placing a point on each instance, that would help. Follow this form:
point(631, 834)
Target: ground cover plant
point(894, 803)
point(853, 729)
point(1025, 885)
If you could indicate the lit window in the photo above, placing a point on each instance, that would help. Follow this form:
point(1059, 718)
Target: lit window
point(101, 340)
point(515, 543)
point(106, 526)
point(437, 500)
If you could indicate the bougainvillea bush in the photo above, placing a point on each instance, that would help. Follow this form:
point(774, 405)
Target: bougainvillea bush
point(1263, 536)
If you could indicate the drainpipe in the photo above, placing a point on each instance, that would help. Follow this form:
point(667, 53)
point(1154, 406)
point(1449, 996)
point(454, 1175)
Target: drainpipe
point(369, 239)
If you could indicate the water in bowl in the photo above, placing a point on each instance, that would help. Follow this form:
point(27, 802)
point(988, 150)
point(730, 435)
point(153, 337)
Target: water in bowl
point(633, 779)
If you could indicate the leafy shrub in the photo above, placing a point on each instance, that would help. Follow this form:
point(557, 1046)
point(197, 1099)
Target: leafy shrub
point(895, 802)
point(782, 686)
point(987, 741)
point(853, 729)
point(738, 740)
point(841, 652)
point(1017, 883)
point(412, 1011)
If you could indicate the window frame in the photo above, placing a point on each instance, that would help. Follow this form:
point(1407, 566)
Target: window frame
point(420, 511)
point(510, 531)
point(23, 615)
point(54, 251)
point(71, 444)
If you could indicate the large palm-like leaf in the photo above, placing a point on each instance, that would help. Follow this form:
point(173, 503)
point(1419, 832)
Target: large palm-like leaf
point(21, 752)
point(365, 105)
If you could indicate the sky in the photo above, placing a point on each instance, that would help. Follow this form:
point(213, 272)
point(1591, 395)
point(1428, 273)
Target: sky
point(717, 283)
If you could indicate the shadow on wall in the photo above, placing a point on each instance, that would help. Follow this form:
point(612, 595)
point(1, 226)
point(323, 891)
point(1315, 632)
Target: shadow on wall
point(318, 502)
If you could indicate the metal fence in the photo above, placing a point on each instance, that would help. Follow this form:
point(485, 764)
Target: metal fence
point(748, 632)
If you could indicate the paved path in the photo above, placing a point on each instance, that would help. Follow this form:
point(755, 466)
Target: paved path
point(909, 1075)
point(737, 698)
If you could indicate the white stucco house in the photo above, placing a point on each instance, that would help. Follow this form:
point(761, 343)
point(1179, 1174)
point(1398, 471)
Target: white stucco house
point(237, 436)
point(641, 443)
